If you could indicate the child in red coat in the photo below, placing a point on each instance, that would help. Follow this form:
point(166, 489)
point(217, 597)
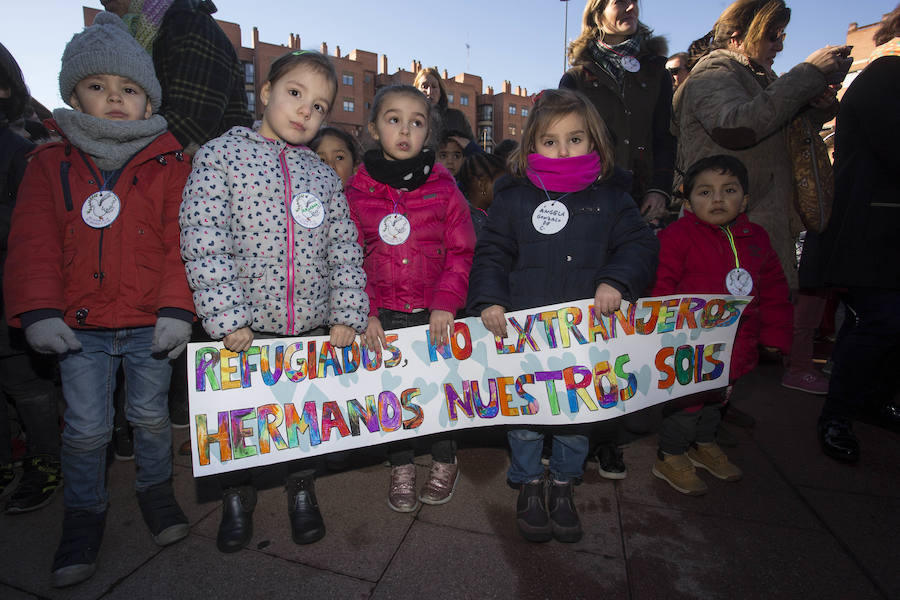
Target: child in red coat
point(715, 249)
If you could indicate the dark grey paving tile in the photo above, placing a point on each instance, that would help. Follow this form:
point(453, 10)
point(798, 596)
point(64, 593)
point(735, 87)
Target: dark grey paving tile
point(762, 495)
point(29, 540)
point(869, 526)
point(678, 554)
point(484, 503)
point(440, 562)
point(786, 432)
point(195, 569)
point(362, 531)
point(8, 593)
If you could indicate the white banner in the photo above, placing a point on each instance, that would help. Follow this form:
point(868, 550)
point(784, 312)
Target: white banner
point(290, 398)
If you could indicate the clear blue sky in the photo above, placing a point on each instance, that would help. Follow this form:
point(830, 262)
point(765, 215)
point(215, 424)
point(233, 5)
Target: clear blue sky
point(518, 40)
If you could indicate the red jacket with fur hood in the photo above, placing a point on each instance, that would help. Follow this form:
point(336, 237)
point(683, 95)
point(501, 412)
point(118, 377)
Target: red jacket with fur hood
point(115, 277)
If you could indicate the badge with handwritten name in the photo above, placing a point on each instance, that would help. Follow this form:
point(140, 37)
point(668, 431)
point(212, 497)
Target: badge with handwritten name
point(550, 217)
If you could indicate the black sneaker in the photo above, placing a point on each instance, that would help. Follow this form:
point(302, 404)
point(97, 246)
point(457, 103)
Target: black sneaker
point(123, 443)
point(7, 477)
point(41, 477)
point(563, 516)
point(531, 513)
point(162, 514)
point(76, 557)
point(612, 465)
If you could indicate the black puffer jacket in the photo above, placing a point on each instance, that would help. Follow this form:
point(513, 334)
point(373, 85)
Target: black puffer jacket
point(604, 241)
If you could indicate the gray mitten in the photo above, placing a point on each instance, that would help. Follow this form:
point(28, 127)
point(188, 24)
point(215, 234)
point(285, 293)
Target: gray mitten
point(52, 336)
point(170, 335)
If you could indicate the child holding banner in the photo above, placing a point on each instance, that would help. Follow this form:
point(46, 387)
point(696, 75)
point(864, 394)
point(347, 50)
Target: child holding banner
point(415, 226)
point(269, 248)
point(714, 248)
point(562, 228)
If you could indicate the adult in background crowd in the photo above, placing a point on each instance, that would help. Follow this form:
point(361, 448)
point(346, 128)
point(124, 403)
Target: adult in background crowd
point(27, 379)
point(859, 248)
point(453, 124)
point(201, 77)
point(620, 66)
point(734, 103)
point(677, 66)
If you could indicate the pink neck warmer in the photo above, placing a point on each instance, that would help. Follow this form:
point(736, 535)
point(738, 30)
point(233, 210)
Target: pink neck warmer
point(570, 174)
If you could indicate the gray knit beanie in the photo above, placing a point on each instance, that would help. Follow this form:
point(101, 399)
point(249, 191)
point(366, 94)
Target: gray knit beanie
point(107, 48)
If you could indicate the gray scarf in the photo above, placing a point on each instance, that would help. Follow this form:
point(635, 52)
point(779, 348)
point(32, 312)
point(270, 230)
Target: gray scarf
point(109, 143)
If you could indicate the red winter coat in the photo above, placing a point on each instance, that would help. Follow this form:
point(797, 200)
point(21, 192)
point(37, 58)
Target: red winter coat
point(116, 277)
point(695, 257)
point(431, 269)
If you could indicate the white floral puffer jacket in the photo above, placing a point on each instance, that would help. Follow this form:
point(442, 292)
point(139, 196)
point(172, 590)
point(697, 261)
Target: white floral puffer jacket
point(267, 239)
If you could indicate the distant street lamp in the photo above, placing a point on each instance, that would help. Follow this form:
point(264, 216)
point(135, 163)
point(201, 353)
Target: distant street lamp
point(565, 34)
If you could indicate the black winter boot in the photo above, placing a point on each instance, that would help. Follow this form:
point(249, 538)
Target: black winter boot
point(236, 527)
point(563, 516)
point(531, 512)
point(307, 525)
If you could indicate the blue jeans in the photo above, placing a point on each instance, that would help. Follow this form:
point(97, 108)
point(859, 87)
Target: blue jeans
point(88, 382)
point(566, 462)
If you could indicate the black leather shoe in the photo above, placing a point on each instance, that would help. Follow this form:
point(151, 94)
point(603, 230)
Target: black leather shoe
point(236, 527)
point(838, 441)
point(307, 525)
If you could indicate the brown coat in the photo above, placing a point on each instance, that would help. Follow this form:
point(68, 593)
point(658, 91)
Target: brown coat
point(727, 107)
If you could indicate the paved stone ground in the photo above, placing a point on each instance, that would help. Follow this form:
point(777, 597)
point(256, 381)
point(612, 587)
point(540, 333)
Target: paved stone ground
point(799, 525)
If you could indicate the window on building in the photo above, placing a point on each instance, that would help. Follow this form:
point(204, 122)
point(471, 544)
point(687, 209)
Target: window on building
point(450, 98)
point(367, 78)
point(524, 112)
point(486, 112)
point(349, 105)
point(251, 102)
point(248, 72)
point(512, 131)
point(347, 78)
point(512, 109)
point(463, 100)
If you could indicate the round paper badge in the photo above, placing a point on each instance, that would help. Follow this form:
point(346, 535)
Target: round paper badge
point(739, 282)
point(631, 64)
point(100, 209)
point(550, 217)
point(394, 229)
point(307, 210)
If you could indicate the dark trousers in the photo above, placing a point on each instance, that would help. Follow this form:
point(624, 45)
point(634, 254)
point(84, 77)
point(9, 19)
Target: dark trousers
point(694, 418)
point(443, 446)
point(862, 375)
point(27, 381)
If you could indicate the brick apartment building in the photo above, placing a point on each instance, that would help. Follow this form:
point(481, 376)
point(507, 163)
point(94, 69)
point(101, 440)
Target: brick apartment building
point(494, 117)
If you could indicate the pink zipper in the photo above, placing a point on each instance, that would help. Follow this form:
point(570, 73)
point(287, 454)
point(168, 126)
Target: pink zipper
point(290, 241)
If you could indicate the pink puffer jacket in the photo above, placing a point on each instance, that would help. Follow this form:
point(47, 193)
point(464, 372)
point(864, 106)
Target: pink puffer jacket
point(431, 268)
